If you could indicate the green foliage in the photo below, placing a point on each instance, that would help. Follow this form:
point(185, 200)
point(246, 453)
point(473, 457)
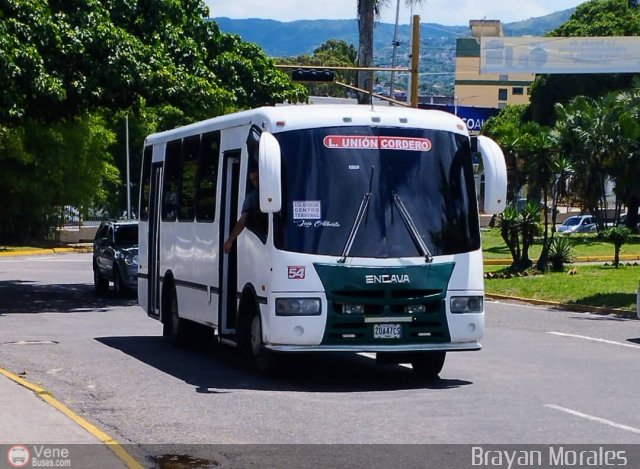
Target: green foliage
point(50, 166)
point(601, 18)
point(506, 129)
point(63, 58)
point(617, 235)
point(70, 71)
point(561, 252)
point(511, 115)
point(518, 230)
point(600, 138)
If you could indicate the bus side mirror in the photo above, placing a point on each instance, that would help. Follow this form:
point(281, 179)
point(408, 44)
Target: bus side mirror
point(495, 175)
point(270, 178)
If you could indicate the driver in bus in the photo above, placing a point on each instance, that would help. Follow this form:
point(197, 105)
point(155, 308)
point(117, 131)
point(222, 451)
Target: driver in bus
point(250, 206)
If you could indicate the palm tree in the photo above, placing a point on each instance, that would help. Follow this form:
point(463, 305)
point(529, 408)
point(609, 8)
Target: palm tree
point(627, 187)
point(590, 137)
point(368, 11)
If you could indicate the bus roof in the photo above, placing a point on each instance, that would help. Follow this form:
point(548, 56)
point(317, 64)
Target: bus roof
point(293, 117)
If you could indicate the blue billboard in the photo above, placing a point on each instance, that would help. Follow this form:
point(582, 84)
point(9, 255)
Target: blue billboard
point(474, 117)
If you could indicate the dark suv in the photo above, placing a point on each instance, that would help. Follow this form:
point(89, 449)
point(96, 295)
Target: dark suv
point(115, 257)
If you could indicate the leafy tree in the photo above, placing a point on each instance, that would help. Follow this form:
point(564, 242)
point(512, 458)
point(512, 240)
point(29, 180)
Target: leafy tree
point(541, 163)
point(47, 166)
point(617, 235)
point(627, 167)
point(600, 136)
point(71, 69)
point(506, 128)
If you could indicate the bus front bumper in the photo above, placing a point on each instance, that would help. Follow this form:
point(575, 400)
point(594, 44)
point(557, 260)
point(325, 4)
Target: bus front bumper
point(455, 347)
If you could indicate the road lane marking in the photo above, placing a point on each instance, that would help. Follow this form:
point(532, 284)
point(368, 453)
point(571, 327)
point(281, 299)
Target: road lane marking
point(46, 396)
point(594, 419)
point(595, 339)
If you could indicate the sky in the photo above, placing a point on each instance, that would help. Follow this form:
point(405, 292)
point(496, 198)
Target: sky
point(445, 12)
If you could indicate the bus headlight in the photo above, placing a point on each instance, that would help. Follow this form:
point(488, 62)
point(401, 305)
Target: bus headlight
point(466, 304)
point(297, 306)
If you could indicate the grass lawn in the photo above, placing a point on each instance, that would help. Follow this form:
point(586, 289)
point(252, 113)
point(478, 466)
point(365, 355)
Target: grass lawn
point(593, 285)
point(585, 245)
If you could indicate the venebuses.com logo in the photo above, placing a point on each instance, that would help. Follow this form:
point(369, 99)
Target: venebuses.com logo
point(18, 456)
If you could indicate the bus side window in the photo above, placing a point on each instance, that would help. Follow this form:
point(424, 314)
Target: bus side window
point(146, 183)
point(207, 177)
point(171, 181)
point(190, 147)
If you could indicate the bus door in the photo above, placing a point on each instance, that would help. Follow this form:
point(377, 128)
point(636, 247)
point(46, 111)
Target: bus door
point(153, 259)
point(228, 302)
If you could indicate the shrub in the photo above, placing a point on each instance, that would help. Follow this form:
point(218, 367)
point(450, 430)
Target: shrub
point(617, 235)
point(560, 252)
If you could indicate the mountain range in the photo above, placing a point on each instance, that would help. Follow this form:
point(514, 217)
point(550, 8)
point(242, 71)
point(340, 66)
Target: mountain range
point(438, 42)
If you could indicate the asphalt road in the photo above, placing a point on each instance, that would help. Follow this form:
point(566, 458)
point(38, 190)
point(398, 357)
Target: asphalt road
point(543, 376)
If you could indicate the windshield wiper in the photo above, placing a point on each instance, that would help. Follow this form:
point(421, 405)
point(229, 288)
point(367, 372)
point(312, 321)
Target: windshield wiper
point(411, 227)
point(362, 211)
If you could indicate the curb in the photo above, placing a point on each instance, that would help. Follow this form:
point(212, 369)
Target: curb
point(567, 307)
point(46, 396)
point(36, 252)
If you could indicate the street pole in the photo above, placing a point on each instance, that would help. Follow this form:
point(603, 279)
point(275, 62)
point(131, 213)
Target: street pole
point(395, 45)
point(126, 121)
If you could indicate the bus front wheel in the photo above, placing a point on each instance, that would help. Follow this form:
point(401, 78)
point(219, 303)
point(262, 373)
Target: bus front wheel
point(428, 364)
point(264, 359)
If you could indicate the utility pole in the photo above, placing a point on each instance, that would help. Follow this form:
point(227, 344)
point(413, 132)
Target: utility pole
point(415, 60)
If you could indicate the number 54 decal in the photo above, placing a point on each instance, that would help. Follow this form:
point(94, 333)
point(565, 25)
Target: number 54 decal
point(296, 272)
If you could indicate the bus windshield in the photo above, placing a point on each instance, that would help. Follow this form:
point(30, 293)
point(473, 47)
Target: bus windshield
point(327, 171)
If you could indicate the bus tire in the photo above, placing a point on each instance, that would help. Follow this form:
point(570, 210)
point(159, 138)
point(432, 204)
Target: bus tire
point(428, 364)
point(173, 327)
point(264, 360)
point(100, 283)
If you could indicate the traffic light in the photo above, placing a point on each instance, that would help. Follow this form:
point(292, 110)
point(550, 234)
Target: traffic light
point(306, 74)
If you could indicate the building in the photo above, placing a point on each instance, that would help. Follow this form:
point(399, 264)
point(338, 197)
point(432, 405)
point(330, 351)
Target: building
point(495, 91)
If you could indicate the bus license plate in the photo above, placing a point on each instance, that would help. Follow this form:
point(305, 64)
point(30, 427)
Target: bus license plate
point(387, 331)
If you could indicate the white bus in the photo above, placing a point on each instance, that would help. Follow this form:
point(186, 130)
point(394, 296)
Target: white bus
point(367, 238)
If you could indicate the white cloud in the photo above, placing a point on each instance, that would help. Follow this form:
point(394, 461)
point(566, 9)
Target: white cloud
point(448, 12)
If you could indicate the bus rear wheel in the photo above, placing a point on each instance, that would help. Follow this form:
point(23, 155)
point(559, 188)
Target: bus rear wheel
point(265, 361)
point(428, 364)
